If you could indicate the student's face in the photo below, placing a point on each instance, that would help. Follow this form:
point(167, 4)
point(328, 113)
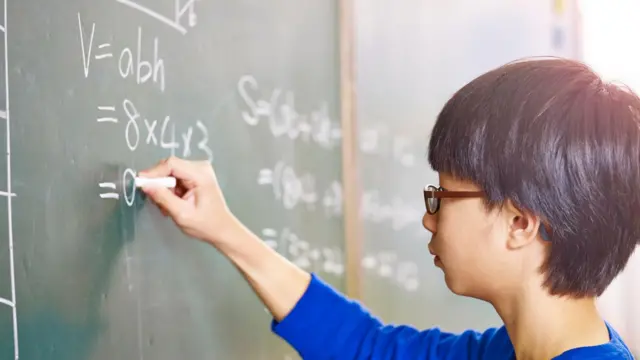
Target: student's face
point(469, 243)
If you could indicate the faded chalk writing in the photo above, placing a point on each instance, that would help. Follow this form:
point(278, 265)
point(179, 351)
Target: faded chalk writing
point(386, 264)
point(284, 119)
point(293, 189)
point(303, 254)
point(398, 212)
point(377, 140)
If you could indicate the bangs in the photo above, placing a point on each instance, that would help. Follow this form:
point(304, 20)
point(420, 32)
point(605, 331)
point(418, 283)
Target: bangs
point(457, 143)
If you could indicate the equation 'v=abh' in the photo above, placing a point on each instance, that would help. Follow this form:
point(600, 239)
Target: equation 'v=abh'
point(181, 9)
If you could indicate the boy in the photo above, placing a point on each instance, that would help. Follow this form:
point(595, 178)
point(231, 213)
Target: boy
point(539, 167)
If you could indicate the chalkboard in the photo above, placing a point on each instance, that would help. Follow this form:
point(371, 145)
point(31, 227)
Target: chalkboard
point(412, 56)
point(98, 90)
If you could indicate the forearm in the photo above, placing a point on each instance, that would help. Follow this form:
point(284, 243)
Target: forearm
point(277, 281)
point(316, 320)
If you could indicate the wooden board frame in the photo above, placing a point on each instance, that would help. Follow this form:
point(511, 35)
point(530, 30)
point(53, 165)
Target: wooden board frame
point(351, 185)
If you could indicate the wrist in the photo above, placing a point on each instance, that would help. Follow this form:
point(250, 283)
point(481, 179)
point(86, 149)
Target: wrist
point(235, 240)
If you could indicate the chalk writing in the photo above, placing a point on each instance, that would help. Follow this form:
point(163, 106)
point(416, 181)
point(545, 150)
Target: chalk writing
point(110, 189)
point(385, 264)
point(294, 189)
point(8, 191)
point(132, 128)
point(86, 54)
point(107, 118)
point(398, 212)
point(128, 190)
point(203, 144)
point(162, 134)
point(111, 194)
point(332, 200)
point(376, 140)
point(288, 186)
point(131, 63)
point(302, 253)
point(180, 11)
point(105, 53)
point(143, 69)
point(284, 119)
point(6, 302)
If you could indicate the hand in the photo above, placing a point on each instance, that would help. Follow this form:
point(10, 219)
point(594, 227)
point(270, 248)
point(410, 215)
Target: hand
point(196, 204)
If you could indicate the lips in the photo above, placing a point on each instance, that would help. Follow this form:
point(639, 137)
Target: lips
point(436, 258)
point(431, 251)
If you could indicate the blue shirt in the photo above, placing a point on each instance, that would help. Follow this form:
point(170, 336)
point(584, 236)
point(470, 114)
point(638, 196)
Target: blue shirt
point(326, 325)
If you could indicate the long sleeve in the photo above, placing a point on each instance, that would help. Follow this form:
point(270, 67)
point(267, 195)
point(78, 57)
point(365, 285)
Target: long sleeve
point(326, 325)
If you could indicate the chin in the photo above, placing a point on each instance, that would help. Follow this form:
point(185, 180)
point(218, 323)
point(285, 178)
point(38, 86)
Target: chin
point(454, 286)
point(459, 287)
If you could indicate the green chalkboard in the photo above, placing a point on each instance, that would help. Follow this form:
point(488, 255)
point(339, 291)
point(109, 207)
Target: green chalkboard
point(99, 90)
point(412, 56)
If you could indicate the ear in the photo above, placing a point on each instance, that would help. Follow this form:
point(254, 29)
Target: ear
point(522, 226)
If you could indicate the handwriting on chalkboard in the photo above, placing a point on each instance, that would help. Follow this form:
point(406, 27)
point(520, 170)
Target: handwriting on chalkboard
point(8, 193)
point(330, 260)
point(304, 254)
point(398, 212)
point(152, 131)
point(279, 110)
point(376, 140)
point(294, 189)
point(109, 194)
point(180, 10)
point(130, 63)
point(165, 136)
point(387, 265)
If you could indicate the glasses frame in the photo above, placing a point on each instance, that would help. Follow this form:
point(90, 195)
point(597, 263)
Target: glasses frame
point(432, 192)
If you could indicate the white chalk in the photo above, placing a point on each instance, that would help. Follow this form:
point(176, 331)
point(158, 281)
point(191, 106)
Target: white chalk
point(169, 182)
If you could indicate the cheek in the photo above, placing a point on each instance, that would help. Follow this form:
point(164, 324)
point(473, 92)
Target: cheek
point(468, 247)
point(469, 262)
point(471, 246)
point(463, 245)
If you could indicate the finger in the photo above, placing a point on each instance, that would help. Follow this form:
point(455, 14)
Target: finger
point(180, 190)
point(190, 197)
point(166, 200)
point(184, 171)
point(187, 172)
point(163, 211)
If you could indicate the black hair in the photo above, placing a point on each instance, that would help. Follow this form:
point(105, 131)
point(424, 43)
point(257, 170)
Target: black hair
point(557, 140)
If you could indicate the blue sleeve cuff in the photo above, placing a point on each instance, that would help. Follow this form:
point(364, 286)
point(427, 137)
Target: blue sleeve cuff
point(309, 324)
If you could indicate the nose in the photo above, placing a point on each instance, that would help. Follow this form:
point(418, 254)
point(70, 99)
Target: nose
point(429, 222)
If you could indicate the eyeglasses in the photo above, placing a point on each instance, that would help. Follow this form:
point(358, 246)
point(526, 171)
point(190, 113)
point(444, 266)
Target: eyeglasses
point(433, 194)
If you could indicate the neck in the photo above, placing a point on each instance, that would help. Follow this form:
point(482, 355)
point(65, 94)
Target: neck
point(542, 326)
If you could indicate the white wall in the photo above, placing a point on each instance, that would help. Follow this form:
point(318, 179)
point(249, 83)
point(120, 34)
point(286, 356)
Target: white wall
point(611, 32)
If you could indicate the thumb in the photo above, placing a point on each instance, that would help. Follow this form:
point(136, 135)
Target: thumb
point(165, 199)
